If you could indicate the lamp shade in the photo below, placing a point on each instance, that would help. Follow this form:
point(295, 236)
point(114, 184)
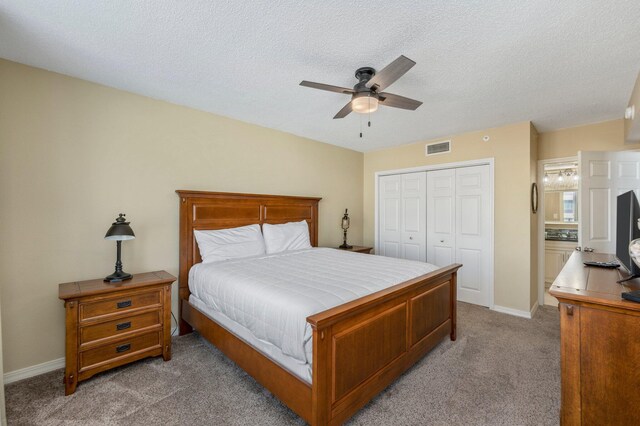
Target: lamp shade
point(364, 104)
point(345, 221)
point(120, 230)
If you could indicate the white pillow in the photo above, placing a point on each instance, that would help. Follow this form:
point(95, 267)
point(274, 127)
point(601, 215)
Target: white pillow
point(288, 236)
point(231, 243)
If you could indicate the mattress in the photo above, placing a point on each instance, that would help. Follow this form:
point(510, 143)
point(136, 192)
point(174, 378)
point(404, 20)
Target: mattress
point(294, 366)
point(272, 295)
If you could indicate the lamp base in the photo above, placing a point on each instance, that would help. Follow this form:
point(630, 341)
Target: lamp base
point(117, 277)
point(345, 246)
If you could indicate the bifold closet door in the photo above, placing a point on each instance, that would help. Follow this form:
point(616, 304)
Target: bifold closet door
point(459, 227)
point(473, 234)
point(402, 216)
point(441, 205)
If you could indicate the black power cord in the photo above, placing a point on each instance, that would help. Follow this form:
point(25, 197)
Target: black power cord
point(176, 321)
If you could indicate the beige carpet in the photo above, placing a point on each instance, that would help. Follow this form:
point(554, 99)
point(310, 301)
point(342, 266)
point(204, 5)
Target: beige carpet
point(502, 370)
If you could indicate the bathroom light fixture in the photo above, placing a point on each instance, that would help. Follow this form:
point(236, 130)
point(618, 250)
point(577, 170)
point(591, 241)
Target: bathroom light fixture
point(546, 177)
point(560, 177)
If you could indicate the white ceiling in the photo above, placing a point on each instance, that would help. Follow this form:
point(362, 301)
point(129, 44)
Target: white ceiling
point(480, 64)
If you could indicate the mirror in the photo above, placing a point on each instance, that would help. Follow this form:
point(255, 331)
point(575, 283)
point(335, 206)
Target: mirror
point(561, 207)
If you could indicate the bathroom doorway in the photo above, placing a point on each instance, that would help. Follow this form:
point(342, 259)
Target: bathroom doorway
point(559, 220)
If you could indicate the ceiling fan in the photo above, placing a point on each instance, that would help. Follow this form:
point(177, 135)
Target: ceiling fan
point(368, 93)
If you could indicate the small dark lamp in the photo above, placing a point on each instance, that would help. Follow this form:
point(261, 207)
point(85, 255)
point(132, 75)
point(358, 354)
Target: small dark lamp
point(345, 225)
point(119, 231)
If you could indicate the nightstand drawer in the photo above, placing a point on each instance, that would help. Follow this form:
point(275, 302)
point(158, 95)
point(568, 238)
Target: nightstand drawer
point(120, 304)
point(123, 348)
point(112, 328)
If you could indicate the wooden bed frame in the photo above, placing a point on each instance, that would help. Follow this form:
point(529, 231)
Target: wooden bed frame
point(359, 348)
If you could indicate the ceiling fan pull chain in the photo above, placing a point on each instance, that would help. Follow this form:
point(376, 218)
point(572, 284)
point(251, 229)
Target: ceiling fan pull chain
point(361, 127)
point(369, 118)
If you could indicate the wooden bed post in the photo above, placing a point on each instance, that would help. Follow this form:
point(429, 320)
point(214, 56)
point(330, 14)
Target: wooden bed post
point(320, 389)
point(185, 262)
point(454, 305)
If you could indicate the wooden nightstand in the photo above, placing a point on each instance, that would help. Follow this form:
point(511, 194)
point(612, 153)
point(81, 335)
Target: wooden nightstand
point(359, 249)
point(112, 324)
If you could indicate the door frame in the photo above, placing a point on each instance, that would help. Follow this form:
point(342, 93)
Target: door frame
point(540, 178)
point(442, 166)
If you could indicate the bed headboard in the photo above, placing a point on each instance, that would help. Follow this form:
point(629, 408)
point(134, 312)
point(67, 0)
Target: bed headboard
point(219, 210)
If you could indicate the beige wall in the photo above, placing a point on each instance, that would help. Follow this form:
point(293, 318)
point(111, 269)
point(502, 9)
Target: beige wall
point(75, 154)
point(632, 126)
point(605, 136)
point(510, 146)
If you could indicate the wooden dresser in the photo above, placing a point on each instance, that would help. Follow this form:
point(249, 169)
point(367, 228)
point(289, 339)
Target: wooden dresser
point(358, 249)
point(111, 324)
point(600, 344)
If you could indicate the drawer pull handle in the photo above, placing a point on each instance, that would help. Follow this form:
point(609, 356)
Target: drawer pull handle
point(123, 348)
point(123, 325)
point(124, 304)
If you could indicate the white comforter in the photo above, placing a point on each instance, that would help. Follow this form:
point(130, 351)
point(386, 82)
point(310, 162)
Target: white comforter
point(272, 295)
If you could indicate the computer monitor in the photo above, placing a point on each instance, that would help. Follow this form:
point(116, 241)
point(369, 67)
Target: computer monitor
point(627, 230)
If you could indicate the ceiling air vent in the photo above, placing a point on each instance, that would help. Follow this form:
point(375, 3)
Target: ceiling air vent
point(438, 148)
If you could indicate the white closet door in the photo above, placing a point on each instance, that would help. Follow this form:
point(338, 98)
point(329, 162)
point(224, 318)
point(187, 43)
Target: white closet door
point(604, 176)
point(414, 216)
point(441, 217)
point(441, 201)
point(389, 200)
point(473, 234)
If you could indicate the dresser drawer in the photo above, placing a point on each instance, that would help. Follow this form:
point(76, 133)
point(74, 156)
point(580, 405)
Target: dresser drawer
point(123, 303)
point(121, 349)
point(120, 326)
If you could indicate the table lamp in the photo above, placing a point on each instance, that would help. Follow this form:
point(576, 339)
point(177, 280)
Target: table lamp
point(119, 231)
point(345, 225)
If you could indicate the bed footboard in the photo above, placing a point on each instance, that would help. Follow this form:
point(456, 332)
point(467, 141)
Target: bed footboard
point(361, 347)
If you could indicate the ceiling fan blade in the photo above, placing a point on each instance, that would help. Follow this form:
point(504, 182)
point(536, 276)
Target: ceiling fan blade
point(389, 74)
point(328, 87)
point(397, 101)
point(344, 111)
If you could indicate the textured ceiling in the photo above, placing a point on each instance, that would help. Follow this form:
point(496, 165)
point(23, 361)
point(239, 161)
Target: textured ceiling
point(480, 64)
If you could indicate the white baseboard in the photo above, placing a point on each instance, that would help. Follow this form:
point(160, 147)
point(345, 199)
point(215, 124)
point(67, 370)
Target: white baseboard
point(34, 370)
point(45, 367)
point(517, 312)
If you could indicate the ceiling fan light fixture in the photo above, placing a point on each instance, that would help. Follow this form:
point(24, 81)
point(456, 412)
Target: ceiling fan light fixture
point(364, 104)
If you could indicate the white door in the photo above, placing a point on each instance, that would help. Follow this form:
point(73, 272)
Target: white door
point(414, 216)
point(441, 201)
point(389, 198)
point(402, 221)
point(473, 234)
point(604, 176)
point(459, 228)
